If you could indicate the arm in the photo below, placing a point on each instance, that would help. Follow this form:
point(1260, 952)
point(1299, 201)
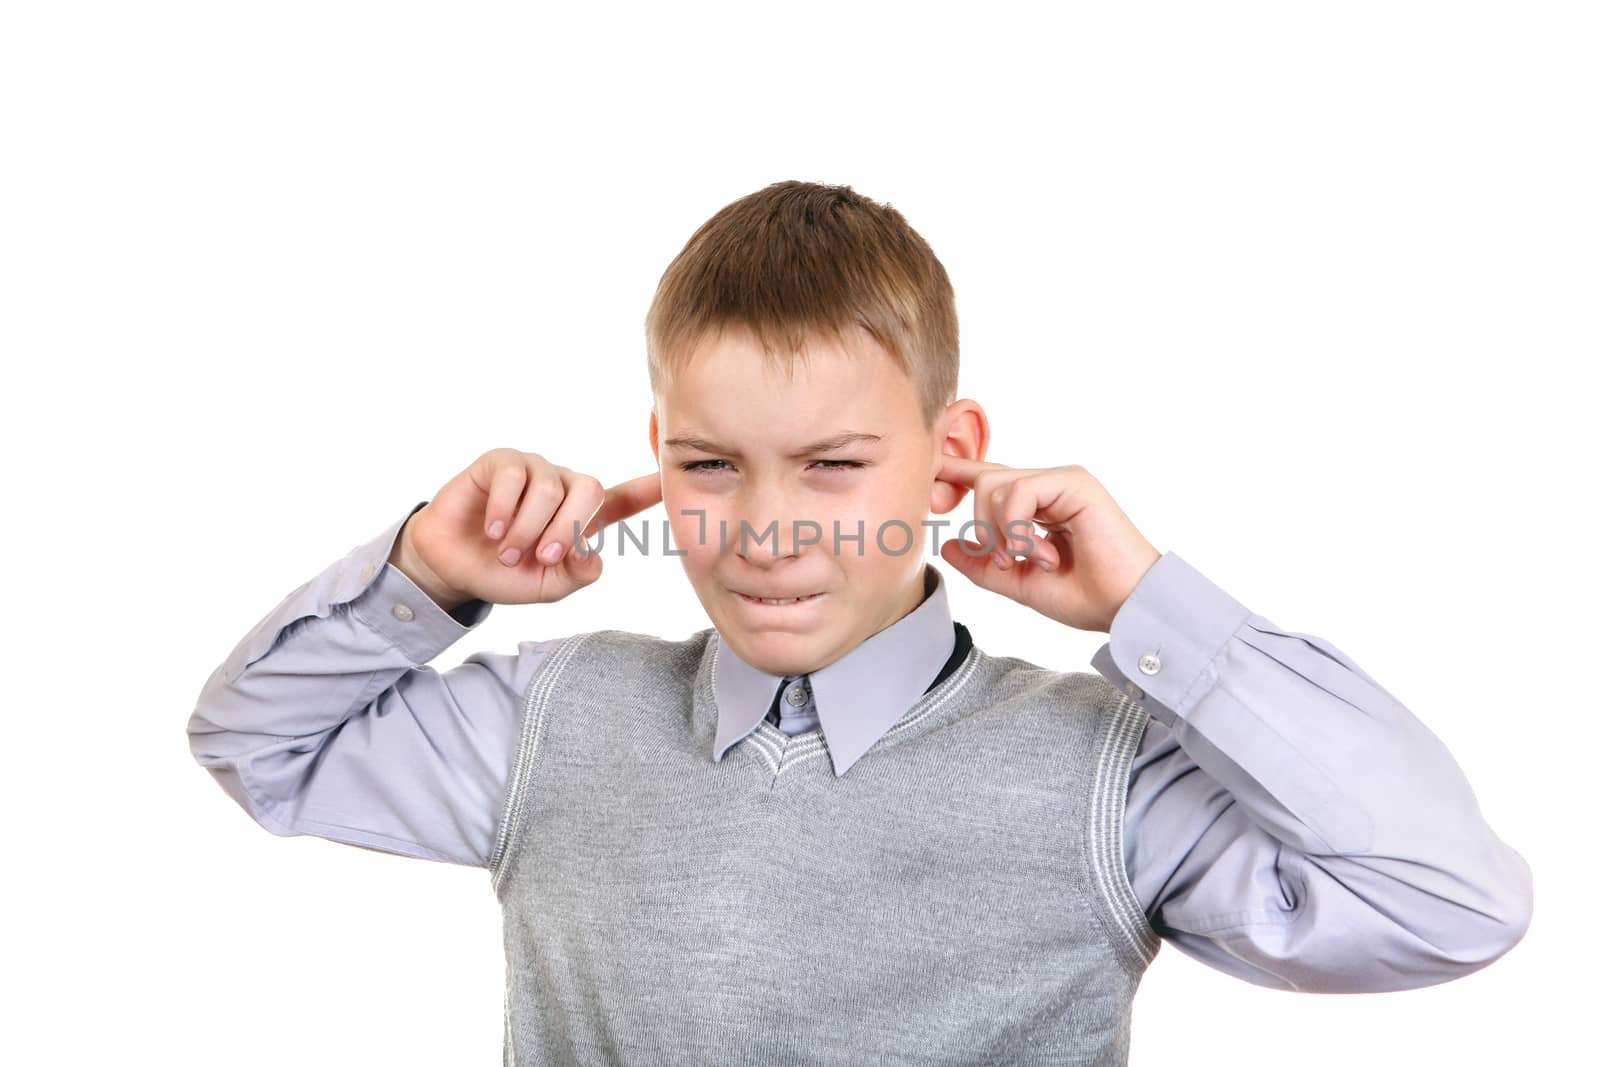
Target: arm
point(325, 721)
point(1289, 822)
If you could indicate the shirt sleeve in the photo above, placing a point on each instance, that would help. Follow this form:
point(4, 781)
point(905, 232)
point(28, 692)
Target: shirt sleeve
point(1288, 821)
point(325, 721)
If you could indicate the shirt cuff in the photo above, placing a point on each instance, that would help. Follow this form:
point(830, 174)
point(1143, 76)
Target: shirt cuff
point(390, 603)
point(1166, 637)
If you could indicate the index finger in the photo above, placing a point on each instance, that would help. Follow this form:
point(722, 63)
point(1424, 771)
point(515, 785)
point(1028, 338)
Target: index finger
point(960, 470)
point(628, 498)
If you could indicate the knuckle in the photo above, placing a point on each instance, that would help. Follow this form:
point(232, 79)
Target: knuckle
point(546, 492)
point(509, 477)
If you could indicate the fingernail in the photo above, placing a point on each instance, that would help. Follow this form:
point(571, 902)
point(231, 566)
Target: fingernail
point(1044, 564)
point(496, 528)
point(510, 556)
point(551, 552)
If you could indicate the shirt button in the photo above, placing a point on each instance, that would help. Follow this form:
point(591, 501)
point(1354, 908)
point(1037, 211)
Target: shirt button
point(403, 613)
point(1149, 663)
point(797, 695)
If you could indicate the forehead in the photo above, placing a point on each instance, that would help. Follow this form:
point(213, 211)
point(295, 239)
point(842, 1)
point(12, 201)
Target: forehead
point(728, 374)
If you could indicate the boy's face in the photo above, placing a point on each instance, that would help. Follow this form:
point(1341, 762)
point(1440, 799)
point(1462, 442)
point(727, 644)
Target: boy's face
point(733, 438)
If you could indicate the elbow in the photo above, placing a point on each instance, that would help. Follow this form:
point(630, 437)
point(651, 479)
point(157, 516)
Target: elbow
point(199, 733)
point(1382, 950)
point(226, 757)
point(202, 730)
point(1476, 945)
point(213, 747)
point(1483, 931)
point(1496, 929)
point(230, 779)
point(1513, 928)
point(1394, 964)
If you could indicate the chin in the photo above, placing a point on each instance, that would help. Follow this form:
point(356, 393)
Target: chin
point(773, 651)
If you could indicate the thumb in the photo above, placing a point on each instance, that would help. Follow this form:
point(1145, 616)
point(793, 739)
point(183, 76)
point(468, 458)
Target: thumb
point(975, 565)
point(582, 563)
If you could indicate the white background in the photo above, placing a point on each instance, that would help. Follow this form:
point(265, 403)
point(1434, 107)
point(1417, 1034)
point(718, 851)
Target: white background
point(1310, 288)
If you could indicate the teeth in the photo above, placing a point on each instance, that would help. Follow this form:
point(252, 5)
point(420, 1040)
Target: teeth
point(777, 603)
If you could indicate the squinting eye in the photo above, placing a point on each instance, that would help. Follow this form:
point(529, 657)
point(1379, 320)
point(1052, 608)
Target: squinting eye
point(834, 464)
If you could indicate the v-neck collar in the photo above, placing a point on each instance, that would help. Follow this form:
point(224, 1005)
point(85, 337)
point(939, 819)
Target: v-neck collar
point(860, 695)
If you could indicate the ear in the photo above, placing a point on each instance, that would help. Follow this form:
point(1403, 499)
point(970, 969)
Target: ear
point(965, 434)
point(655, 448)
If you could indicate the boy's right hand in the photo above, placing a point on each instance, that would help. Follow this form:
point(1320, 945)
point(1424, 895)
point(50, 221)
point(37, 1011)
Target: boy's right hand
point(449, 548)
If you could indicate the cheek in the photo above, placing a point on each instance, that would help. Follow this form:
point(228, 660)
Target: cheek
point(874, 506)
point(840, 513)
point(887, 499)
point(696, 520)
point(897, 507)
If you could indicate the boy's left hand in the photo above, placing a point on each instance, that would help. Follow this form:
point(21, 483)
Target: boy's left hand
point(1080, 572)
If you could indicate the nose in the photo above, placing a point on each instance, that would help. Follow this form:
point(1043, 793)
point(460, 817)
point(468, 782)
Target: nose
point(767, 529)
point(765, 544)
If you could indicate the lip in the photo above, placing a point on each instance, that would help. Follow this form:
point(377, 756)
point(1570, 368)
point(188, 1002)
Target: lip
point(745, 598)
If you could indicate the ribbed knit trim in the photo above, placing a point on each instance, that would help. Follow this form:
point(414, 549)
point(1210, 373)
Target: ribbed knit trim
point(1119, 743)
point(782, 752)
point(532, 730)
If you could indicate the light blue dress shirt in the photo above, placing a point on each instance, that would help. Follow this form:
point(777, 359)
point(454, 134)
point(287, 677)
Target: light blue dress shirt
point(1288, 821)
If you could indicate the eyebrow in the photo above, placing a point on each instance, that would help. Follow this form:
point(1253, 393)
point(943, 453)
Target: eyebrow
point(827, 444)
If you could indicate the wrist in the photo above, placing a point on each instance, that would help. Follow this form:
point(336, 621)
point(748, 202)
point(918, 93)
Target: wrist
point(405, 559)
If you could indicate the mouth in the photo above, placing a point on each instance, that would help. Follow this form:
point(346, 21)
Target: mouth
point(778, 602)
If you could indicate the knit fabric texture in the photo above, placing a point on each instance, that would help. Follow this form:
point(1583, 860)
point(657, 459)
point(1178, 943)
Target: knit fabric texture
point(957, 897)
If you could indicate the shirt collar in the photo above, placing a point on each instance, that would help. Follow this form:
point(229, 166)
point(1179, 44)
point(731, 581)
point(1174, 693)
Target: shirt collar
point(860, 695)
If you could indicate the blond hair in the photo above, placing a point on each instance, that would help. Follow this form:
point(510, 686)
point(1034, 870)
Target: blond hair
point(796, 259)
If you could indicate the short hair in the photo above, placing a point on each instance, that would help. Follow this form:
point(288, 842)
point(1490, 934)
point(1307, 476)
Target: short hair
point(798, 259)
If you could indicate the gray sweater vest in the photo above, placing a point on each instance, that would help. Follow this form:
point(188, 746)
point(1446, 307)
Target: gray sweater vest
point(958, 897)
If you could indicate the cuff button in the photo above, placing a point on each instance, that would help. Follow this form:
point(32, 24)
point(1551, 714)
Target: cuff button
point(403, 613)
point(1150, 663)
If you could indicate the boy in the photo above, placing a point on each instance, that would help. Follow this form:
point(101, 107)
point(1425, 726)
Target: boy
point(830, 828)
